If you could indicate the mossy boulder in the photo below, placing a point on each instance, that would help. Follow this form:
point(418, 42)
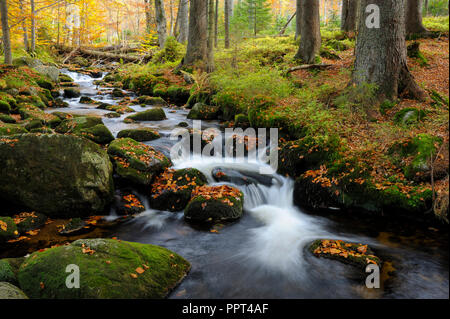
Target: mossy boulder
point(121, 109)
point(409, 116)
point(11, 129)
point(57, 175)
point(29, 221)
point(140, 135)
point(8, 229)
point(71, 92)
point(33, 100)
point(7, 273)
point(358, 255)
point(215, 204)
point(109, 269)
point(4, 107)
point(172, 189)
point(135, 161)
point(296, 157)
point(75, 227)
point(9, 291)
point(86, 100)
point(88, 127)
point(202, 111)
point(155, 114)
point(128, 203)
point(153, 101)
point(45, 84)
point(83, 62)
point(30, 113)
point(177, 94)
point(242, 121)
point(118, 93)
point(64, 78)
point(414, 155)
point(5, 118)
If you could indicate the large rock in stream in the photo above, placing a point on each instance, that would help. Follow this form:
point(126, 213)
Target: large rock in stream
point(108, 269)
point(215, 204)
point(58, 175)
point(137, 162)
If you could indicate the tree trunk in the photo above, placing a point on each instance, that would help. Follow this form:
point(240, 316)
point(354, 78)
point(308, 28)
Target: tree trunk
point(414, 17)
point(183, 21)
point(216, 25)
point(425, 8)
point(24, 26)
point(148, 17)
point(197, 40)
point(310, 38)
point(381, 52)
point(349, 13)
point(298, 19)
point(33, 27)
point(211, 14)
point(161, 22)
point(5, 30)
point(228, 4)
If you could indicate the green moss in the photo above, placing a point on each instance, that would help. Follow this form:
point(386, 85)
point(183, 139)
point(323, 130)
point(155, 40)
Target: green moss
point(7, 273)
point(11, 129)
point(106, 273)
point(136, 161)
point(72, 92)
point(4, 107)
point(64, 78)
point(11, 229)
point(140, 135)
point(5, 118)
point(409, 116)
point(171, 191)
point(99, 134)
point(154, 114)
point(153, 101)
point(203, 112)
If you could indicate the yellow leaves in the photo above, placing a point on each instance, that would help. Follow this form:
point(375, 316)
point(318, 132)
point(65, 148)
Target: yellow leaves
point(87, 250)
point(134, 276)
point(3, 226)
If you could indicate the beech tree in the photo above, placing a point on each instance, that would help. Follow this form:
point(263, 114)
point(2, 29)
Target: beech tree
point(197, 50)
point(5, 31)
point(161, 22)
point(348, 15)
point(310, 38)
point(228, 8)
point(298, 19)
point(414, 17)
point(381, 50)
point(183, 21)
point(210, 46)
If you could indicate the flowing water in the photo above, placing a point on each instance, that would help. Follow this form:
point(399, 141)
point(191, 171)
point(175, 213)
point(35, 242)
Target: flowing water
point(264, 254)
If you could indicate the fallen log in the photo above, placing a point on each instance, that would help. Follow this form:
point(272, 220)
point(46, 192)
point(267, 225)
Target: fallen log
point(108, 56)
point(308, 66)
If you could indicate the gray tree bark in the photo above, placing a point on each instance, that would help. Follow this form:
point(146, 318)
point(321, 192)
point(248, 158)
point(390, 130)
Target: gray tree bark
point(310, 38)
point(161, 22)
point(33, 27)
point(216, 25)
point(298, 19)
point(24, 27)
point(381, 52)
point(414, 17)
point(211, 14)
point(348, 16)
point(5, 31)
point(197, 40)
point(183, 21)
point(228, 4)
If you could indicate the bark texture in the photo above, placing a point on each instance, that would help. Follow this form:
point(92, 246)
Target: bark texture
point(381, 53)
point(298, 19)
point(310, 38)
point(183, 21)
point(161, 22)
point(5, 31)
point(197, 39)
point(349, 14)
point(414, 17)
point(211, 14)
point(228, 5)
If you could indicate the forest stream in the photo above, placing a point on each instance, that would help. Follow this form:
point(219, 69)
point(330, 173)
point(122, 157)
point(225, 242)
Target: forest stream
point(264, 254)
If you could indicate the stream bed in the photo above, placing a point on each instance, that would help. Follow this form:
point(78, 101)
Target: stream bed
point(264, 254)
